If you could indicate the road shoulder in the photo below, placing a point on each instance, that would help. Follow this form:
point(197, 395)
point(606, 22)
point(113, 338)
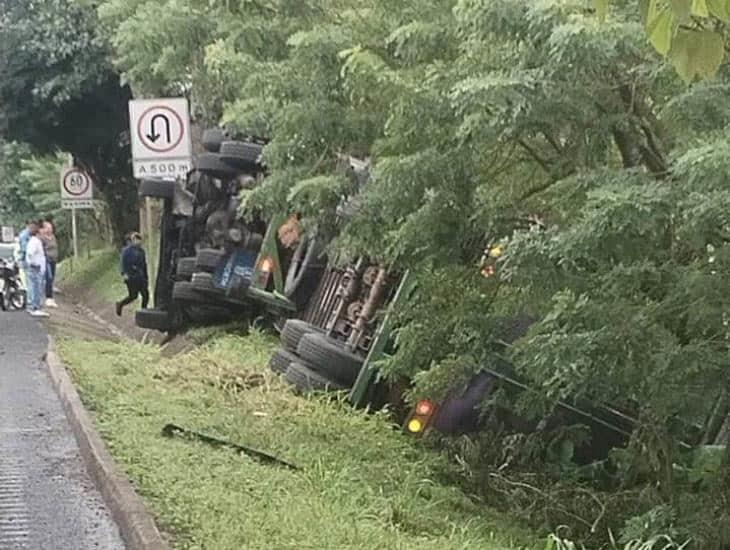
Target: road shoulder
point(135, 522)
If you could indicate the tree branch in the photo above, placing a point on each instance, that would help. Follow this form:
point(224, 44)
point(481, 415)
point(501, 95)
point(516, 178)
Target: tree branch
point(535, 156)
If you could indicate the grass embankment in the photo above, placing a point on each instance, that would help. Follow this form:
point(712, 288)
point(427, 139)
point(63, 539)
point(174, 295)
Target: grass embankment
point(98, 273)
point(362, 484)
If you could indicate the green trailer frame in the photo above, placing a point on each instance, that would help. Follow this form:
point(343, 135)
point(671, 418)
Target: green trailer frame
point(360, 391)
point(278, 301)
point(270, 251)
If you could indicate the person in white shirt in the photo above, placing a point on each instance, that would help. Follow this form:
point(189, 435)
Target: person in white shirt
point(35, 257)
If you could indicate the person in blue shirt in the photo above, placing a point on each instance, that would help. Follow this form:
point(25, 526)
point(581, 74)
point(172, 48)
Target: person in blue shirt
point(134, 272)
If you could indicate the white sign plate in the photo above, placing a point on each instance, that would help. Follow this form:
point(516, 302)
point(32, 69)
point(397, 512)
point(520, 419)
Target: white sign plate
point(8, 234)
point(77, 189)
point(77, 204)
point(160, 134)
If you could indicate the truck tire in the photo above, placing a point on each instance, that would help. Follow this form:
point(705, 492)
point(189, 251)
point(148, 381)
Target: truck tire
point(203, 282)
point(293, 331)
point(211, 163)
point(185, 292)
point(307, 380)
point(281, 359)
point(154, 319)
point(212, 139)
point(185, 268)
point(241, 154)
point(207, 314)
point(208, 259)
point(331, 359)
point(157, 189)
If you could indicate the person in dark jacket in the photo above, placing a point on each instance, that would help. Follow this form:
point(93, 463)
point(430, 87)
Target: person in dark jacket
point(134, 271)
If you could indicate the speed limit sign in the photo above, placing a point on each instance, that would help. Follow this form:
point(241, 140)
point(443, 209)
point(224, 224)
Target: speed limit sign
point(77, 190)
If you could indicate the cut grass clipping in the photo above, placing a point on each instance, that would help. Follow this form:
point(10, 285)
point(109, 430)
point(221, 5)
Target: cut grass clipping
point(362, 484)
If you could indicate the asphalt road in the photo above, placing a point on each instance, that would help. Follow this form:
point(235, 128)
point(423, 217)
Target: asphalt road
point(47, 499)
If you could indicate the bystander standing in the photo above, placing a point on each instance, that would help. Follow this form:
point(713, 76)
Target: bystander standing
point(48, 235)
point(35, 258)
point(23, 238)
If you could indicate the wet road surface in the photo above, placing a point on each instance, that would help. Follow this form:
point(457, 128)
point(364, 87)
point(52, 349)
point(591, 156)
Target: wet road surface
point(47, 499)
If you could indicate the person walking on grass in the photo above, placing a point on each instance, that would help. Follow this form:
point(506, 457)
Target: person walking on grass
point(48, 236)
point(35, 258)
point(134, 272)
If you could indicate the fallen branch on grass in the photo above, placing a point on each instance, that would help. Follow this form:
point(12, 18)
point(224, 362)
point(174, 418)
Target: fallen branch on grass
point(170, 430)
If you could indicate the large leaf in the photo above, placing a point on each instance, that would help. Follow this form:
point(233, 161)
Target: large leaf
point(699, 8)
point(682, 10)
point(652, 11)
point(720, 9)
point(709, 53)
point(680, 55)
point(601, 7)
point(660, 31)
point(697, 54)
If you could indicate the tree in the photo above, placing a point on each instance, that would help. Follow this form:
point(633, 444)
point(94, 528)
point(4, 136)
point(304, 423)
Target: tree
point(29, 190)
point(480, 116)
point(58, 90)
point(16, 205)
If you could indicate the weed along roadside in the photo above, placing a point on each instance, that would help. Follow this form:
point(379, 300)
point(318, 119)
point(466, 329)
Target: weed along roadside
point(360, 484)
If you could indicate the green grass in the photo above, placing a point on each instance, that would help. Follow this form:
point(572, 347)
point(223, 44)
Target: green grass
point(99, 273)
point(363, 485)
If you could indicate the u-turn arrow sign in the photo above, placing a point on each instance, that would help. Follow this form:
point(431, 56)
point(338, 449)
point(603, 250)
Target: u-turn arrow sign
point(160, 130)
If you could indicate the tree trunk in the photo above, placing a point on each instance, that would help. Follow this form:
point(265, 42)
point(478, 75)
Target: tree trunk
point(638, 139)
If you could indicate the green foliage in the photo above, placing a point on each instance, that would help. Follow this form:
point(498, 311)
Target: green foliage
point(59, 91)
point(16, 205)
point(29, 189)
point(656, 522)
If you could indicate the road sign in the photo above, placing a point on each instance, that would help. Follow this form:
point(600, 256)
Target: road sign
point(7, 234)
point(160, 131)
point(77, 189)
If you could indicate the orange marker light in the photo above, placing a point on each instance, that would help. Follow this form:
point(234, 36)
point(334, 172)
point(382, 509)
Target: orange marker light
point(424, 407)
point(488, 271)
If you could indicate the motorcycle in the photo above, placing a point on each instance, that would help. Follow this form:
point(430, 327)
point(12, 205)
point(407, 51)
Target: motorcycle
point(12, 293)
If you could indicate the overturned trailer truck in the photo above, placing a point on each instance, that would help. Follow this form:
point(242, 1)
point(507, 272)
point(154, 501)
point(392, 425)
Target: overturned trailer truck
point(214, 265)
point(347, 329)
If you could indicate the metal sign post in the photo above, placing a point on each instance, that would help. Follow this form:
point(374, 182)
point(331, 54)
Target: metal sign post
point(74, 234)
point(150, 245)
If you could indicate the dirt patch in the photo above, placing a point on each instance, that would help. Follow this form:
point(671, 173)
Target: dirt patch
point(86, 309)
